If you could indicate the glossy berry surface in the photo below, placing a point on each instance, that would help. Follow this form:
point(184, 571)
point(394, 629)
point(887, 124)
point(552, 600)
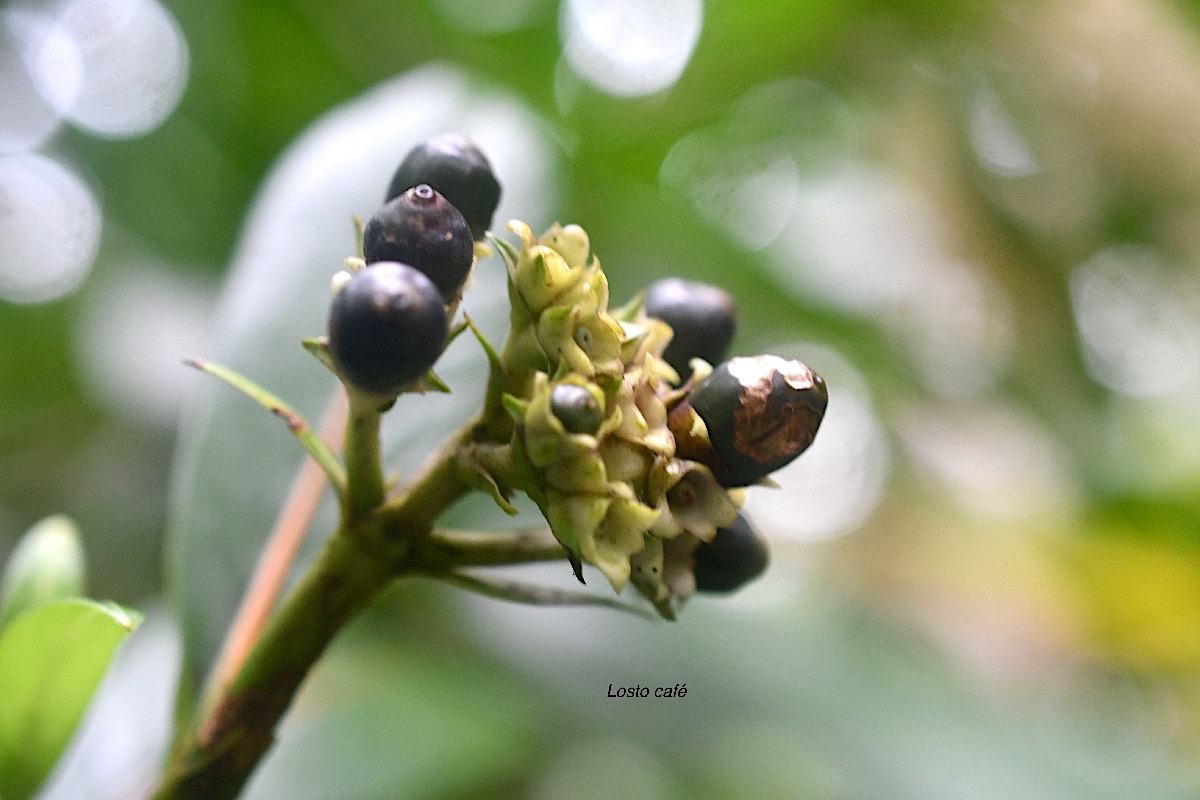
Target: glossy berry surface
point(387, 327)
point(736, 555)
point(576, 408)
point(454, 166)
point(702, 317)
point(422, 229)
point(760, 413)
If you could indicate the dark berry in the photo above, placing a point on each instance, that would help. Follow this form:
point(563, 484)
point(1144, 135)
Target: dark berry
point(387, 326)
point(702, 317)
point(735, 556)
point(422, 229)
point(576, 408)
point(760, 414)
point(457, 168)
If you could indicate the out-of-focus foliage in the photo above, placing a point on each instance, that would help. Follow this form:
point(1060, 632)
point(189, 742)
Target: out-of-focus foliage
point(47, 565)
point(51, 659)
point(976, 219)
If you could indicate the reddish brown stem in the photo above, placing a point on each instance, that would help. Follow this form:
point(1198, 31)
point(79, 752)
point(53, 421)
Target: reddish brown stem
point(277, 558)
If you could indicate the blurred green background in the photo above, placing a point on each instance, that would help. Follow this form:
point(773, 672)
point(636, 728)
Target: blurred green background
point(977, 219)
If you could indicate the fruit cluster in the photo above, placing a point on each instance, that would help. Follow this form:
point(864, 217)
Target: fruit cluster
point(389, 320)
point(627, 427)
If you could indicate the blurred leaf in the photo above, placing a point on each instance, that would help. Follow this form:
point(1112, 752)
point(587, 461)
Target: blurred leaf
point(51, 659)
point(389, 713)
point(792, 692)
point(47, 565)
point(1142, 599)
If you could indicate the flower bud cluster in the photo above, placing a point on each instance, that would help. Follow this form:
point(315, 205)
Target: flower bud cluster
point(589, 394)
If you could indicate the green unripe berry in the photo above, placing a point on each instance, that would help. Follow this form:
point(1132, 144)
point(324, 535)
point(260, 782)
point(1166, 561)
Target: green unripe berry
point(422, 229)
point(576, 408)
point(734, 557)
point(702, 317)
point(387, 326)
point(454, 166)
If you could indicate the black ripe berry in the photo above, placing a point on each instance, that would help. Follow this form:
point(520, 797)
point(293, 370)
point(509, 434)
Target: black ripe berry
point(735, 556)
point(457, 168)
point(387, 326)
point(760, 413)
point(422, 229)
point(576, 408)
point(702, 317)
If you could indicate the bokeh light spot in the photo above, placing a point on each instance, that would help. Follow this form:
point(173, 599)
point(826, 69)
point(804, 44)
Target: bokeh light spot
point(992, 460)
point(131, 70)
point(137, 327)
point(744, 173)
point(49, 229)
point(630, 48)
point(747, 192)
point(996, 138)
point(1140, 324)
point(27, 120)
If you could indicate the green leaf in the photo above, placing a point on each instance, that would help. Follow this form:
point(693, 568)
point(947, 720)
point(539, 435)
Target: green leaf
point(309, 439)
point(51, 659)
point(47, 565)
point(233, 470)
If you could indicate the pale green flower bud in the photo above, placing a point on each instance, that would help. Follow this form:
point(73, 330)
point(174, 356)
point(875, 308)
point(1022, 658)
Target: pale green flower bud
point(539, 275)
point(587, 345)
point(571, 242)
point(619, 535)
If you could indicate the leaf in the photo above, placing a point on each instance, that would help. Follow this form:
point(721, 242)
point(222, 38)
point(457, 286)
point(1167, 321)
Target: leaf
point(309, 439)
point(51, 659)
point(379, 718)
point(47, 565)
point(232, 470)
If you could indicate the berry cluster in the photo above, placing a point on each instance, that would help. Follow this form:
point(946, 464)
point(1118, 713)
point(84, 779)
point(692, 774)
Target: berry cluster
point(627, 427)
point(388, 323)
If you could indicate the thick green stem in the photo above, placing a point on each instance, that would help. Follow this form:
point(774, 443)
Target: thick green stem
point(373, 545)
point(239, 728)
